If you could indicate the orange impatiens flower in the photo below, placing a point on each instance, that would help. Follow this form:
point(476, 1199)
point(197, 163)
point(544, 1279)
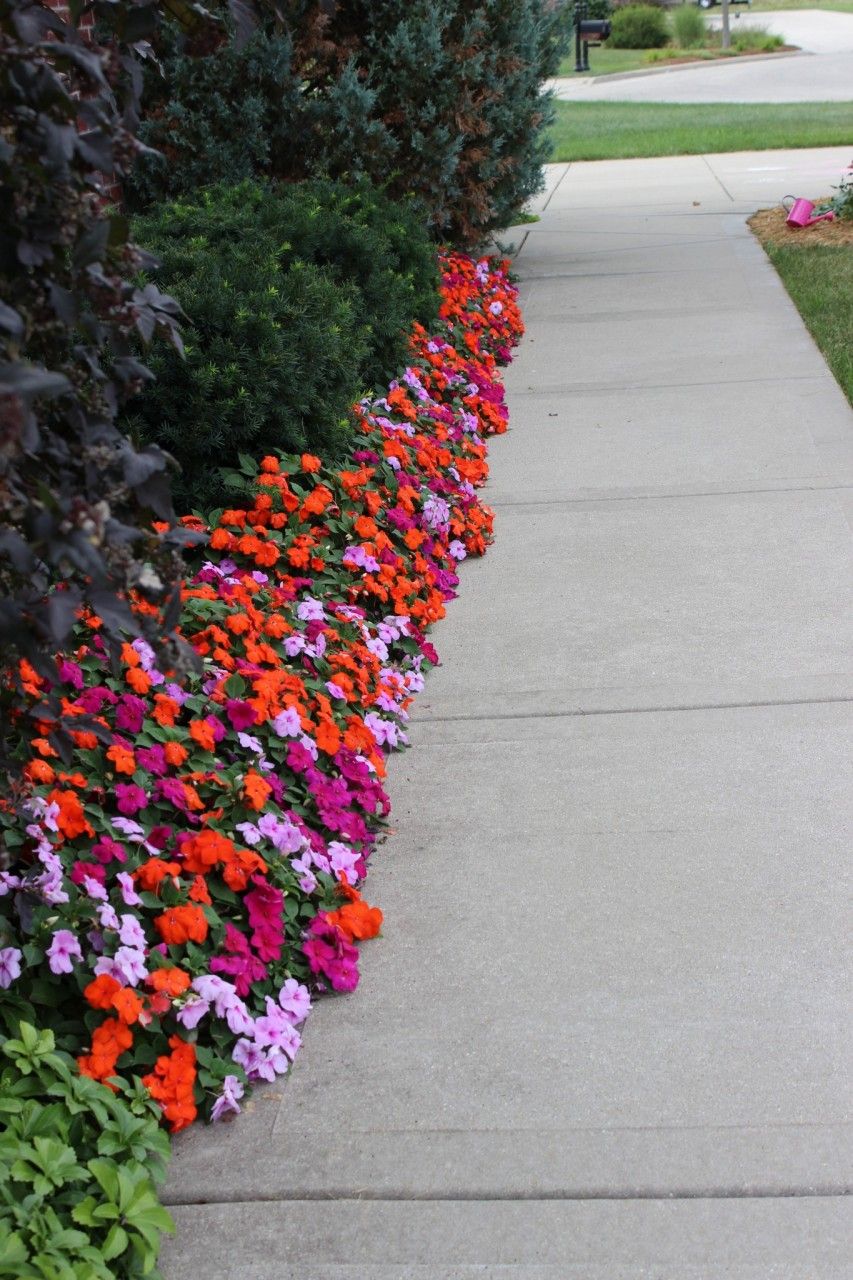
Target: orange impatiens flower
point(39, 772)
point(202, 733)
point(109, 1041)
point(139, 680)
point(127, 1005)
point(71, 819)
point(175, 754)
point(328, 736)
point(221, 539)
point(317, 501)
point(356, 919)
point(239, 868)
point(205, 850)
point(172, 982)
point(179, 925)
point(172, 1083)
point(100, 992)
point(166, 710)
point(237, 623)
point(256, 790)
point(151, 874)
point(122, 759)
point(199, 892)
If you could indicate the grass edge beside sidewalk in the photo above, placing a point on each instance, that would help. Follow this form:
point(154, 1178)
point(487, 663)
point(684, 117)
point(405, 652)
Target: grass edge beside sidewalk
point(633, 130)
point(819, 280)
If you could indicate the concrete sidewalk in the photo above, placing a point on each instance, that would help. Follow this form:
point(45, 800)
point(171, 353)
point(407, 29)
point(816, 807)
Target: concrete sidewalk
point(603, 1037)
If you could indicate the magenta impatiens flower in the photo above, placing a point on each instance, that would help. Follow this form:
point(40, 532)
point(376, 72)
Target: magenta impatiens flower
point(330, 953)
point(244, 967)
point(130, 798)
point(265, 906)
point(241, 714)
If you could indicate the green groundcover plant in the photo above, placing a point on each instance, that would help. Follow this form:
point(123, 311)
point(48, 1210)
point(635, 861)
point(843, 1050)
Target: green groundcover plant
point(79, 1167)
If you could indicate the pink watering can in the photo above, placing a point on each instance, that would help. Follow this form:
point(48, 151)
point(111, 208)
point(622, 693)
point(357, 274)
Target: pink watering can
point(800, 213)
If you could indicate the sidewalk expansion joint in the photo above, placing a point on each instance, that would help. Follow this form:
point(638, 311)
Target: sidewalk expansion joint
point(591, 388)
point(630, 711)
point(716, 177)
point(557, 186)
point(474, 1196)
point(664, 497)
point(611, 275)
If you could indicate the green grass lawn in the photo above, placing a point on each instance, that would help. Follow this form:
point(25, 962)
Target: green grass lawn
point(819, 278)
point(606, 61)
point(768, 6)
point(622, 130)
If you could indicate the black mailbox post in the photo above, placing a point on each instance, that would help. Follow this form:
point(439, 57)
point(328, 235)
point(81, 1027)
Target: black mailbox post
point(588, 31)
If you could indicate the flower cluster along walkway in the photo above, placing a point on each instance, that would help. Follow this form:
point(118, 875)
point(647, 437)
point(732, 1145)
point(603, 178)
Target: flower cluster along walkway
point(187, 858)
point(602, 1035)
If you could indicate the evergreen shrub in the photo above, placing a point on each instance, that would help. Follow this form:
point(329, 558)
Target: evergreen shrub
point(440, 98)
point(299, 299)
point(223, 117)
point(639, 26)
point(273, 351)
point(458, 86)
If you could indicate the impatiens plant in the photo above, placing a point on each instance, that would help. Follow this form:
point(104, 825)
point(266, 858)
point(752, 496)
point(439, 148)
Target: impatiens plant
point(178, 895)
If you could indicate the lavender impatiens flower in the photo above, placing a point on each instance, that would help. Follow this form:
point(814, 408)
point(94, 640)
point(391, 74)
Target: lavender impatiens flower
point(63, 951)
point(10, 965)
point(228, 1101)
point(295, 1000)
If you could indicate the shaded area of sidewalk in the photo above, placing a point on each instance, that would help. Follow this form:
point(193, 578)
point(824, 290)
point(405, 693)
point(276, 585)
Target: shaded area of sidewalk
point(603, 1035)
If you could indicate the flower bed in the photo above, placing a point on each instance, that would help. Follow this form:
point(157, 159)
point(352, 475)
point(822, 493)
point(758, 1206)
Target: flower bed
point(187, 882)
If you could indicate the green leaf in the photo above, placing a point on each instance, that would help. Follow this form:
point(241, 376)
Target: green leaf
point(13, 1252)
point(115, 1243)
point(84, 1212)
point(106, 1174)
point(235, 686)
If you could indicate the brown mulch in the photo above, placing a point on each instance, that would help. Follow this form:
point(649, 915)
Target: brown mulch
point(770, 227)
point(682, 59)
